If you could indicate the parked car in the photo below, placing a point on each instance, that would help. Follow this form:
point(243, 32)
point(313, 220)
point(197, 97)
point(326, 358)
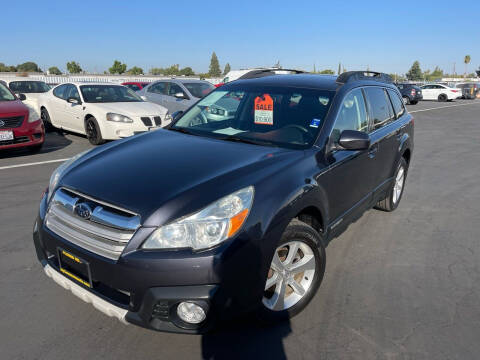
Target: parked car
point(254, 73)
point(440, 92)
point(469, 90)
point(101, 111)
point(134, 85)
point(176, 94)
point(20, 126)
point(411, 94)
point(208, 219)
point(32, 89)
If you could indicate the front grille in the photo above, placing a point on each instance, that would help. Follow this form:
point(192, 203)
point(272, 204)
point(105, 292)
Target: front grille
point(17, 140)
point(158, 120)
point(105, 231)
point(11, 122)
point(146, 120)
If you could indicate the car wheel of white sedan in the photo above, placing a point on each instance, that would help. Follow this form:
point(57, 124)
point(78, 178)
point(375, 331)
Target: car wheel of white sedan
point(93, 132)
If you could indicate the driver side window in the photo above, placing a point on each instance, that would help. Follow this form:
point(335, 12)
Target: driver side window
point(352, 115)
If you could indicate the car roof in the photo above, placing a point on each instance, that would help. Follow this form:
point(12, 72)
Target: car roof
point(313, 81)
point(8, 81)
point(79, 83)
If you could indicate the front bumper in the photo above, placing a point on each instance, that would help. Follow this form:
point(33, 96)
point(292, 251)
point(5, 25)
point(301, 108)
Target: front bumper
point(29, 134)
point(145, 287)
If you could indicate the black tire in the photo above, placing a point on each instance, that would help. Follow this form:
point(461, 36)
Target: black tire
point(93, 132)
point(413, 102)
point(35, 149)
point(298, 231)
point(389, 203)
point(406, 100)
point(442, 97)
point(47, 122)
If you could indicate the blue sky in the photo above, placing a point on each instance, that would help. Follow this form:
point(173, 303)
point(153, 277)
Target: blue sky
point(385, 35)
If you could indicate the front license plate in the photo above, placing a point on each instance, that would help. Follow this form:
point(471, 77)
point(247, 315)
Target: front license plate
point(74, 267)
point(6, 135)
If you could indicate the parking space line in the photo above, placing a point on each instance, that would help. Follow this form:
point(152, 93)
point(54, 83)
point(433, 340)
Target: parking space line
point(32, 164)
point(442, 107)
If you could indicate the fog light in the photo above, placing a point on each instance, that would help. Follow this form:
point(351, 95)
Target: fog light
point(190, 312)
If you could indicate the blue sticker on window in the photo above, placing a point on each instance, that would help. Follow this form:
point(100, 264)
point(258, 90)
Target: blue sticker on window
point(315, 123)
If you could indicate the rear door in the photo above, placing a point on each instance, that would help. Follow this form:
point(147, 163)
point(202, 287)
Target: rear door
point(348, 180)
point(383, 134)
point(156, 93)
point(428, 92)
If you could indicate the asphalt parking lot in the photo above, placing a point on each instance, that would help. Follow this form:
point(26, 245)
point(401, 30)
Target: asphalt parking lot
point(402, 285)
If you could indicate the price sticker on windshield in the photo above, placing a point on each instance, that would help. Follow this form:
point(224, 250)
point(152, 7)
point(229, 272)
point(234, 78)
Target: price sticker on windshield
point(263, 110)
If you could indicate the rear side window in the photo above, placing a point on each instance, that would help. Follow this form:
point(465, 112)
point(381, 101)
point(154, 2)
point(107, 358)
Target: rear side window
point(380, 109)
point(397, 103)
point(133, 87)
point(352, 115)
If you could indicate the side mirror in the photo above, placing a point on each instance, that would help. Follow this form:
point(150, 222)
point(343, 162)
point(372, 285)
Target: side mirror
point(176, 115)
point(22, 97)
point(180, 95)
point(73, 101)
point(354, 140)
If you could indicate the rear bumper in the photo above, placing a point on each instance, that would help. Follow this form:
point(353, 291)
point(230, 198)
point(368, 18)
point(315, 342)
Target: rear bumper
point(29, 134)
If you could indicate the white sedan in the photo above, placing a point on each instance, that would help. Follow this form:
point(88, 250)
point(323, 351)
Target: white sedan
point(100, 111)
point(440, 92)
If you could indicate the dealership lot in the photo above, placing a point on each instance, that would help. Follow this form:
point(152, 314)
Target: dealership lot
point(400, 285)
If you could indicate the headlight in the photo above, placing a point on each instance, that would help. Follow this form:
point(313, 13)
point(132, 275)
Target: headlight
point(32, 115)
point(57, 174)
point(118, 118)
point(206, 228)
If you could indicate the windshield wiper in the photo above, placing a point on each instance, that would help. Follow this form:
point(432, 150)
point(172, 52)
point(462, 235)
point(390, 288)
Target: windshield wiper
point(248, 141)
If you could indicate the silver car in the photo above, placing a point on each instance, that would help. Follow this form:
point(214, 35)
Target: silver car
point(176, 94)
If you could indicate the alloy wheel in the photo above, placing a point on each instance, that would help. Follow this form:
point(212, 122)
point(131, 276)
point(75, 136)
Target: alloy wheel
point(91, 130)
point(290, 276)
point(398, 186)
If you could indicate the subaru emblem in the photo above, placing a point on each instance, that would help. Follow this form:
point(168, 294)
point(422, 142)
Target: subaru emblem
point(83, 210)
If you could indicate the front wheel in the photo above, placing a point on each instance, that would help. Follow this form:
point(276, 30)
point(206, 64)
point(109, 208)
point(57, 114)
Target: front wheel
point(295, 273)
point(47, 122)
point(395, 192)
point(93, 132)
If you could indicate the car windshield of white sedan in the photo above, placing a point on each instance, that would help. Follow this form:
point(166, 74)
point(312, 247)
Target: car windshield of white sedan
point(29, 87)
point(281, 117)
point(5, 94)
point(108, 94)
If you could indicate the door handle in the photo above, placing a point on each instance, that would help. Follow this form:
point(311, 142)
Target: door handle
point(372, 152)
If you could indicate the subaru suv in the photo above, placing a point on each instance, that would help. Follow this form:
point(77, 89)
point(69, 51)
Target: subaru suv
point(223, 214)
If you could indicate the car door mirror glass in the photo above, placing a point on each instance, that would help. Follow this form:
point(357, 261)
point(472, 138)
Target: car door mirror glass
point(179, 95)
point(73, 101)
point(354, 140)
point(22, 97)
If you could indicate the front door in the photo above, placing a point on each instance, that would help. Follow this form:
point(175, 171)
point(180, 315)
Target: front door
point(74, 112)
point(348, 179)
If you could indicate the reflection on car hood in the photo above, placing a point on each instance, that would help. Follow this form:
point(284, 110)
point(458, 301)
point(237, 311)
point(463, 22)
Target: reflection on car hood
point(144, 172)
point(140, 108)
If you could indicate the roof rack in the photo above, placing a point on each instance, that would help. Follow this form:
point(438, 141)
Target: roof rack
point(267, 72)
point(363, 75)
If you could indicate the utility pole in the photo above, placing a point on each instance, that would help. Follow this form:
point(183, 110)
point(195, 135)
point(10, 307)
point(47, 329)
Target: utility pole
point(454, 72)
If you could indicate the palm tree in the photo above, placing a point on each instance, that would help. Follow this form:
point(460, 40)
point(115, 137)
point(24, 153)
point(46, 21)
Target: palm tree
point(466, 61)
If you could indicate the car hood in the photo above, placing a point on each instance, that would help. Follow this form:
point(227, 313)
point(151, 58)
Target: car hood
point(12, 107)
point(164, 174)
point(131, 109)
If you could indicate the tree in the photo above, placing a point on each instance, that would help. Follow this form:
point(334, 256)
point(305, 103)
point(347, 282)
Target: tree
point(227, 69)
point(436, 74)
point(466, 61)
point(74, 67)
point(214, 69)
point(327, 71)
point(415, 73)
point(54, 71)
point(7, 68)
point(29, 66)
point(187, 71)
point(135, 71)
point(117, 68)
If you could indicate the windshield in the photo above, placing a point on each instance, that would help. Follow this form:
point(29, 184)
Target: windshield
point(108, 94)
point(274, 116)
point(5, 94)
point(199, 90)
point(28, 87)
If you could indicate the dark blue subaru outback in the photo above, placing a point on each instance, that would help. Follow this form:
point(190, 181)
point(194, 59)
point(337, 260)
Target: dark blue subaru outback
point(231, 208)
